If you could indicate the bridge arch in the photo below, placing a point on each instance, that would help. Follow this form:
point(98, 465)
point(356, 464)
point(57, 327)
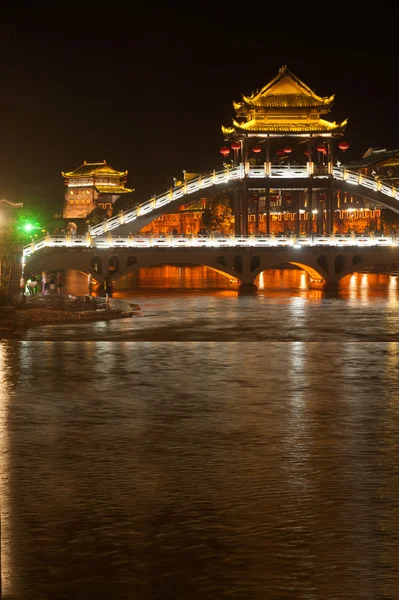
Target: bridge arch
point(325, 265)
point(133, 265)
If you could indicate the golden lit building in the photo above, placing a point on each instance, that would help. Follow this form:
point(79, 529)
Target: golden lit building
point(90, 186)
point(284, 124)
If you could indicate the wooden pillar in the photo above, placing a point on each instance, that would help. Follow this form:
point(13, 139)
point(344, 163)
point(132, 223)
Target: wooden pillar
point(330, 200)
point(309, 152)
point(267, 207)
point(245, 150)
point(257, 215)
point(237, 211)
point(310, 228)
point(296, 211)
point(244, 208)
point(320, 215)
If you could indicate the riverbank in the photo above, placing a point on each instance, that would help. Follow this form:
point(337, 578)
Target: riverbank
point(48, 310)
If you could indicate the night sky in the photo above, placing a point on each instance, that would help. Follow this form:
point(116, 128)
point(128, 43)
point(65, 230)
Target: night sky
point(148, 89)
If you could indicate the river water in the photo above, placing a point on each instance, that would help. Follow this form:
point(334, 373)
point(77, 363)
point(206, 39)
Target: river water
point(214, 446)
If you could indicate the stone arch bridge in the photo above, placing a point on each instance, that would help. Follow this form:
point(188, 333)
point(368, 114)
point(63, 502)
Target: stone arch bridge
point(240, 260)
point(112, 246)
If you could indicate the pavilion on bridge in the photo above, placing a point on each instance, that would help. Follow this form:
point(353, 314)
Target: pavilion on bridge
point(283, 124)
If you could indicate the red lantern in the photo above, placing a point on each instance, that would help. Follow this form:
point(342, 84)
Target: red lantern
point(343, 146)
point(320, 149)
point(280, 152)
point(288, 149)
point(225, 151)
point(256, 149)
point(235, 145)
point(306, 152)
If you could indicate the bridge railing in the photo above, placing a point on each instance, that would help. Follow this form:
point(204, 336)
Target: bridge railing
point(189, 187)
point(370, 183)
point(234, 173)
point(212, 241)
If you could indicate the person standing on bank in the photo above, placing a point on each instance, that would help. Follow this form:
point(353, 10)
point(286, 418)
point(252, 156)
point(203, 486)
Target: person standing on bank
point(60, 282)
point(45, 283)
point(22, 285)
point(32, 284)
point(108, 286)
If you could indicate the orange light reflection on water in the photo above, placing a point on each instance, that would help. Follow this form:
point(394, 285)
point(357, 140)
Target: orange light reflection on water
point(359, 288)
point(5, 519)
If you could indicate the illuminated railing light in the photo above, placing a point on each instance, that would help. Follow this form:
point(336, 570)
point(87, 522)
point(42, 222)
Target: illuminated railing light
point(239, 172)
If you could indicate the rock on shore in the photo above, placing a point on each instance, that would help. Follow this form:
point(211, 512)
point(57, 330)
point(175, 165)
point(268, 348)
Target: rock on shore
point(47, 310)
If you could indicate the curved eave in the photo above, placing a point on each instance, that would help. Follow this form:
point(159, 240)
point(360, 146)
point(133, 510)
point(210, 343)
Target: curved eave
point(112, 191)
point(288, 101)
point(227, 130)
point(254, 127)
point(108, 173)
point(99, 171)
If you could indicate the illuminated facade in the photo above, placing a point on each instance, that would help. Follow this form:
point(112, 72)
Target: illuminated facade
point(284, 124)
point(90, 186)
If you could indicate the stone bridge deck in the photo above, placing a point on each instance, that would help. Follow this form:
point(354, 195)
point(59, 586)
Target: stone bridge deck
point(241, 260)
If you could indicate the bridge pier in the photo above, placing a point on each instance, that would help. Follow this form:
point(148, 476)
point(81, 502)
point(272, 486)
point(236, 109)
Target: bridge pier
point(325, 286)
point(331, 286)
point(247, 288)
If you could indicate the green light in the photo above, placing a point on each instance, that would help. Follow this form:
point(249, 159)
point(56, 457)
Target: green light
point(28, 227)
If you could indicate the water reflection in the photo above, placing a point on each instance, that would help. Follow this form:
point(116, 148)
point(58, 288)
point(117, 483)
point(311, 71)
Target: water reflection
point(217, 447)
point(200, 470)
point(282, 308)
point(164, 279)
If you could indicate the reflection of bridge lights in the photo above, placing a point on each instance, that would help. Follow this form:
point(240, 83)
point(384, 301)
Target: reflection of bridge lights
point(5, 517)
point(303, 284)
point(392, 292)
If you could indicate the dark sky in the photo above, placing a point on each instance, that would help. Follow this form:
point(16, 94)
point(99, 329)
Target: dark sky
point(148, 89)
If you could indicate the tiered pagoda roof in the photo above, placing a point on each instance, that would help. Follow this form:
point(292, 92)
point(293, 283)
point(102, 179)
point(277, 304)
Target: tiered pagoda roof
point(285, 106)
point(100, 169)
